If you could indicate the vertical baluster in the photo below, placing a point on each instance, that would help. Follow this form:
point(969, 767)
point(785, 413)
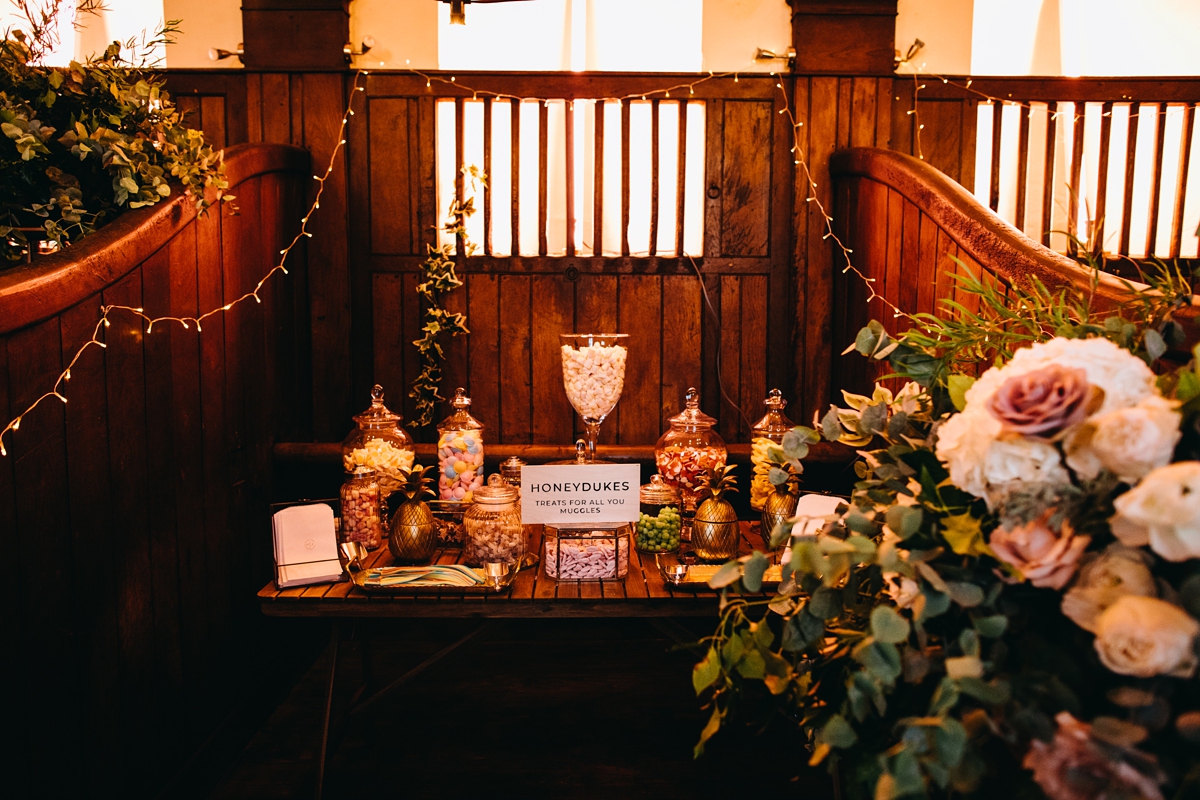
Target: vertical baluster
point(625, 177)
point(1022, 169)
point(1077, 114)
point(598, 182)
point(570, 128)
point(654, 177)
point(1048, 171)
point(681, 172)
point(1097, 232)
point(997, 130)
point(459, 189)
point(1160, 128)
point(515, 184)
point(1130, 165)
point(1185, 156)
point(487, 171)
point(543, 178)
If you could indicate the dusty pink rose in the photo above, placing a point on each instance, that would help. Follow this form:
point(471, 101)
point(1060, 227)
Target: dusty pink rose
point(1047, 558)
point(1045, 402)
point(1073, 767)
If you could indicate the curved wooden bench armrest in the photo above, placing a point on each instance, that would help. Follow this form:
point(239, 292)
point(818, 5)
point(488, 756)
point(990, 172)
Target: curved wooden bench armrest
point(57, 282)
point(990, 240)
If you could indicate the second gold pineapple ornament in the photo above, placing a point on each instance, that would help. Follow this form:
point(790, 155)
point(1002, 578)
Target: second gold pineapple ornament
point(715, 530)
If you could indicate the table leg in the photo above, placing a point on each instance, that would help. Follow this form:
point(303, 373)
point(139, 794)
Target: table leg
point(334, 642)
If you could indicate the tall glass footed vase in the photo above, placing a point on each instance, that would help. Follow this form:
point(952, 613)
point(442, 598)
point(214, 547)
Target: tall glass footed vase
point(593, 377)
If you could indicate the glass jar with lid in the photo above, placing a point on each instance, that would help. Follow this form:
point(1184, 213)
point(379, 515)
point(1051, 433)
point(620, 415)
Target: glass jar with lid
point(361, 520)
point(492, 528)
point(768, 432)
point(460, 452)
point(380, 443)
point(688, 448)
point(659, 523)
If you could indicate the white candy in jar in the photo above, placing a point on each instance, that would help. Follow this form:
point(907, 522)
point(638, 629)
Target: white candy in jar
point(593, 377)
point(493, 541)
point(587, 557)
point(386, 459)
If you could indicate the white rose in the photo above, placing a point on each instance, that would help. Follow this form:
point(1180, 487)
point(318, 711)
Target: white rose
point(1129, 442)
point(902, 590)
point(1104, 579)
point(1145, 636)
point(989, 465)
point(1163, 511)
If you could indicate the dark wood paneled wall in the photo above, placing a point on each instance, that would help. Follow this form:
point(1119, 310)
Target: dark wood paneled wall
point(132, 518)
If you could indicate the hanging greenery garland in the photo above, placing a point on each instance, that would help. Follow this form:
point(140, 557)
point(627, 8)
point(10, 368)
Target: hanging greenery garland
point(440, 279)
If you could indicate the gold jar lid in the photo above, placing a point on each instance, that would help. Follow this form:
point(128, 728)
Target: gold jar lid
point(658, 492)
point(497, 492)
point(363, 471)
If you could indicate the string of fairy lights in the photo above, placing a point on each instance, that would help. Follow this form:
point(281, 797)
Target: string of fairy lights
point(800, 159)
point(58, 391)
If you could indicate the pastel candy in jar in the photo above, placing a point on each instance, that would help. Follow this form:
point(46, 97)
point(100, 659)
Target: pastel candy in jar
point(460, 452)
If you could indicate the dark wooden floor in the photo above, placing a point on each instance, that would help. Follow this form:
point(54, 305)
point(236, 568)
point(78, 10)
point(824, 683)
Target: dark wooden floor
point(530, 709)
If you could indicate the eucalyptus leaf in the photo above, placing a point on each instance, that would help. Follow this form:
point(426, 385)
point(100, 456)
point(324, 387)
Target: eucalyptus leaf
point(825, 604)
point(993, 693)
point(752, 571)
point(1156, 348)
point(967, 595)
point(802, 631)
point(992, 627)
point(705, 673)
point(889, 626)
point(957, 386)
point(726, 575)
point(837, 732)
point(951, 741)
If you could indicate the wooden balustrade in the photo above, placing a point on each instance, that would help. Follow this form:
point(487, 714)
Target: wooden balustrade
point(1105, 137)
point(133, 518)
point(912, 229)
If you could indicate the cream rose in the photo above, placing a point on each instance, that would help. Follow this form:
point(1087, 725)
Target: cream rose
point(1163, 511)
point(1128, 442)
point(1145, 636)
point(1104, 578)
point(1045, 557)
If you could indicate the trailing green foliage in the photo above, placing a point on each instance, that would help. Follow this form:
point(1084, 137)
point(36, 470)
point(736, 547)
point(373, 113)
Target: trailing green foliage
point(439, 279)
point(81, 144)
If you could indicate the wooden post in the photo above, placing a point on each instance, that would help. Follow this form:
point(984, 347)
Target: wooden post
point(844, 37)
point(283, 35)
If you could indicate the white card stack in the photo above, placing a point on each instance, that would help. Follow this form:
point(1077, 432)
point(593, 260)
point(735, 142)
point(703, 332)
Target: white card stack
point(306, 550)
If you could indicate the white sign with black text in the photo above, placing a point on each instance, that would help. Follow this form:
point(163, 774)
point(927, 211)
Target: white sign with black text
point(579, 494)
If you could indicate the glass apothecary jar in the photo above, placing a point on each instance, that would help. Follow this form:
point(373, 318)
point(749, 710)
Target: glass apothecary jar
point(460, 452)
point(688, 448)
point(768, 432)
point(361, 520)
point(381, 444)
point(659, 523)
point(492, 529)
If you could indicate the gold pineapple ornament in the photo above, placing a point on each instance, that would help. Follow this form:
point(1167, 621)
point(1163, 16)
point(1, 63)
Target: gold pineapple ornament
point(715, 532)
point(780, 505)
point(414, 535)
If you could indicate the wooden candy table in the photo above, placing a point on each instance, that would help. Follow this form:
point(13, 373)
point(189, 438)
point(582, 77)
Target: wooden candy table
point(642, 593)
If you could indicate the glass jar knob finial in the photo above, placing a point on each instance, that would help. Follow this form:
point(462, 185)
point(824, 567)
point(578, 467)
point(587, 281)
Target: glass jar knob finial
point(692, 397)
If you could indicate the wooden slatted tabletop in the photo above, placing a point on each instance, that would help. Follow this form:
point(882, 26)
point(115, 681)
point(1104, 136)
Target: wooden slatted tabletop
point(641, 594)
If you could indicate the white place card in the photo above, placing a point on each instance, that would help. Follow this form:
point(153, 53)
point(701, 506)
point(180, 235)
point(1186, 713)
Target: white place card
point(580, 494)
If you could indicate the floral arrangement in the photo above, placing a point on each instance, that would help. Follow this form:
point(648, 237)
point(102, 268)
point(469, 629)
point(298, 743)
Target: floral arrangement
point(1008, 603)
point(81, 144)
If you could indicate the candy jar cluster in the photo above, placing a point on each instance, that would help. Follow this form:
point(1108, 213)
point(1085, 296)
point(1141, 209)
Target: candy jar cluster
point(378, 442)
point(460, 452)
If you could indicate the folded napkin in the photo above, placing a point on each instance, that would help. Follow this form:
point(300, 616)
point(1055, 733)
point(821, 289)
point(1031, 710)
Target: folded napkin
point(439, 575)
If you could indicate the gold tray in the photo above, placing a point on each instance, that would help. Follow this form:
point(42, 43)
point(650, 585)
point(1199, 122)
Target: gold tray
point(696, 576)
point(495, 581)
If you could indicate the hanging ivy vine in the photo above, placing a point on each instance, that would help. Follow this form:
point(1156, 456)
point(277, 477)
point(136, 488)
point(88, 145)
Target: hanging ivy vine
point(440, 279)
